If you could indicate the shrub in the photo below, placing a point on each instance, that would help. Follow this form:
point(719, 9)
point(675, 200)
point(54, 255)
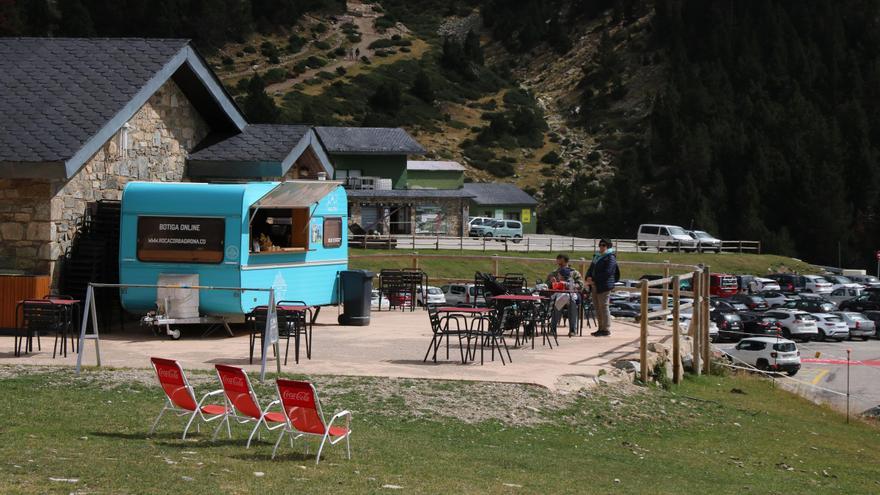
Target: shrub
point(319, 28)
point(500, 169)
point(395, 37)
point(405, 49)
point(273, 59)
point(551, 158)
point(548, 171)
point(340, 51)
point(353, 37)
point(380, 43)
point(321, 45)
point(249, 49)
point(365, 60)
point(327, 75)
point(275, 75)
point(239, 54)
point(384, 22)
point(341, 71)
point(315, 62)
point(295, 43)
point(227, 61)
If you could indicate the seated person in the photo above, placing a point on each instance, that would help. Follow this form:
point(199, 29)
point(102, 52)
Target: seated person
point(572, 280)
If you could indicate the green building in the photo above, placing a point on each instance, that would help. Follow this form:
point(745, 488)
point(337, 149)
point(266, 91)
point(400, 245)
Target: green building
point(503, 201)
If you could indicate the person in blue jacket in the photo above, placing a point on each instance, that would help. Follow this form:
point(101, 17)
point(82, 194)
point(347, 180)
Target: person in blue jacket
point(601, 276)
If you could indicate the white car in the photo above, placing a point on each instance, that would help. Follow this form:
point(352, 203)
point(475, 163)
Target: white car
point(686, 328)
point(763, 284)
point(431, 295)
point(831, 327)
point(841, 294)
point(462, 295)
point(795, 324)
point(378, 301)
point(839, 281)
point(705, 241)
point(859, 324)
point(767, 353)
point(774, 298)
point(669, 237)
point(817, 284)
point(865, 280)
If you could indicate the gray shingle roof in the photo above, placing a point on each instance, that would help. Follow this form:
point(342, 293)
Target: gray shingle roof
point(257, 142)
point(498, 194)
point(434, 166)
point(408, 193)
point(368, 140)
point(56, 93)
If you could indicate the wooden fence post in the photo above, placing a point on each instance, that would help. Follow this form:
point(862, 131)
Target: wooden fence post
point(595, 247)
point(415, 260)
point(495, 264)
point(707, 362)
point(572, 244)
point(528, 243)
point(696, 322)
point(643, 333)
point(676, 331)
point(551, 243)
point(484, 243)
point(665, 296)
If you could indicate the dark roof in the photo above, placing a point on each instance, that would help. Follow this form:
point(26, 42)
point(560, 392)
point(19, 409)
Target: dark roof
point(498, 194)
point(257, 142)
point(62, 98)
point(408, 193)
point(368, 140)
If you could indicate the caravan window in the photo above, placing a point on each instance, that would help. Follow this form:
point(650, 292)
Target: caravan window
point(180, 239)
point(332, 232)
point(279, 229)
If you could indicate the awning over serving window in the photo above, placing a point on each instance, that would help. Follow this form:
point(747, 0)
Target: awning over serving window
point(297, 194)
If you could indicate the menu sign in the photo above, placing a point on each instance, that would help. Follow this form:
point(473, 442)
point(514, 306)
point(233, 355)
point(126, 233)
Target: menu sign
point(180, 239)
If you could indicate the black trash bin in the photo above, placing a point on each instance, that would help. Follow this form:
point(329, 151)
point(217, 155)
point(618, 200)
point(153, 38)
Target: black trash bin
point(357, 286)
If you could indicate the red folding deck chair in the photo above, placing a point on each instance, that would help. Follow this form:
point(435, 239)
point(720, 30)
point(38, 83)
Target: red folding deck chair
point(245, 408)
point(303, 416)
point(181, 398)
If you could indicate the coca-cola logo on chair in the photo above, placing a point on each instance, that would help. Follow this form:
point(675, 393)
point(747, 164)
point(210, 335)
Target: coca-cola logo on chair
point(289, 395)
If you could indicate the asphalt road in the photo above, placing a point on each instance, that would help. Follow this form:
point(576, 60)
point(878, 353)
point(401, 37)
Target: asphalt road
point(822, 377)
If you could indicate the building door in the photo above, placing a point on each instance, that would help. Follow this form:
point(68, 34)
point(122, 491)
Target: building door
point(370, 216)
point(401, 222)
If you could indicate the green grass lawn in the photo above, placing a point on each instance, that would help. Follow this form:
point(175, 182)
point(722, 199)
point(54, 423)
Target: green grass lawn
point(698, 437)
point(464, 268)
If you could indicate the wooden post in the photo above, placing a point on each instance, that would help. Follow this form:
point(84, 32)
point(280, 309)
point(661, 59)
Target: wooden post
point(707, 362)
point(495, 264)
point(484, 243)
point(461, 243)
point(415, 260)
point(676, 332)
point(551, 243)
point(696, 322)
point(595, 247)
point(643, 334)
point(437, 243)
point(528, 243)
point(665, 297)
point(572, 244)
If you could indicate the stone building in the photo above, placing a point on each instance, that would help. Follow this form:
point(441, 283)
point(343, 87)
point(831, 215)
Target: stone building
point(80, 118)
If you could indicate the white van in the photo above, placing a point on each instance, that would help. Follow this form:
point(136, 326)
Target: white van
point(664, 237)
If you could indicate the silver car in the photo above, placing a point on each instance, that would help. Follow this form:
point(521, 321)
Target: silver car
point(859, 324)
point(705, 241)
point(831, 327)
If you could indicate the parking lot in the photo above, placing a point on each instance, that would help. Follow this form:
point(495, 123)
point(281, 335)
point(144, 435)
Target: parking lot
point(822, 377)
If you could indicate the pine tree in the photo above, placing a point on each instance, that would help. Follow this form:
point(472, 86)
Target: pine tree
point(259, 107)
point(422, 87)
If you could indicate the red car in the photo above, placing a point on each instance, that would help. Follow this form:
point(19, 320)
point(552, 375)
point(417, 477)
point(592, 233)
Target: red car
point(722, 285)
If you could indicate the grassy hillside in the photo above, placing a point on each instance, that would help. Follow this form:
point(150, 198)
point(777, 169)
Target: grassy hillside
point(465, 264)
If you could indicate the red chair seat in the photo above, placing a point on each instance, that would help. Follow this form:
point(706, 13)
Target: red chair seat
point(338, 431)
point(275, 417)
point(213, 409)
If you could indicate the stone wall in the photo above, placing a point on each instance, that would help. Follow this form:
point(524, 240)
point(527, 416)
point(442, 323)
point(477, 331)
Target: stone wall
point(38, 219)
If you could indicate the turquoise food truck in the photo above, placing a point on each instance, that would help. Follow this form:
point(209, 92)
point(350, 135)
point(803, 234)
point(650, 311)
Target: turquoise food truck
point(288, 236)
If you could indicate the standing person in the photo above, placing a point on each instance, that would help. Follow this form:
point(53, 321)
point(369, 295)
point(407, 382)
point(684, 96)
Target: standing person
point(572, 278)
point(602, 275)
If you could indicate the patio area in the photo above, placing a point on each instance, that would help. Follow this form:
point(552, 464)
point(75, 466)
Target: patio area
point(392, 346)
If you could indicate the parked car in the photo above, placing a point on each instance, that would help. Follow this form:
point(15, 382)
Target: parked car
point(721, 284)
point(767, 353)
point(753, 302)
point(763, 284)
point(774, 298)
point(789, 282)
point(845, 293)
point(859, 324)
point(811, 305)
point(400, 299)
point(796, 324)
point(668, 237)
point(868, 301)
point(463, 295)
point(867, 281)
point(758, 323)
point(713, 329)
point(746, 283)
point(705, 242)
point(726, 305)
point(875, 317)
point(730, 325)
point(839, 281)
point(431, 295)
point(504, 229)
point(817, 284)
point(480, 229)
point(831, 327)
point(378, 300)
point(475, 224)
point(625, 309)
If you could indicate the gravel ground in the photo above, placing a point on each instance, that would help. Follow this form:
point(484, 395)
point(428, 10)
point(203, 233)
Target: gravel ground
point(469, 402)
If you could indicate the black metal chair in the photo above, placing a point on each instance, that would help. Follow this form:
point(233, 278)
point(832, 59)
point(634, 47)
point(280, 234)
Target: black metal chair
point(38, 316)
point(296, 323)
point(257, 320)
point(489, 331)
point(440, 330)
